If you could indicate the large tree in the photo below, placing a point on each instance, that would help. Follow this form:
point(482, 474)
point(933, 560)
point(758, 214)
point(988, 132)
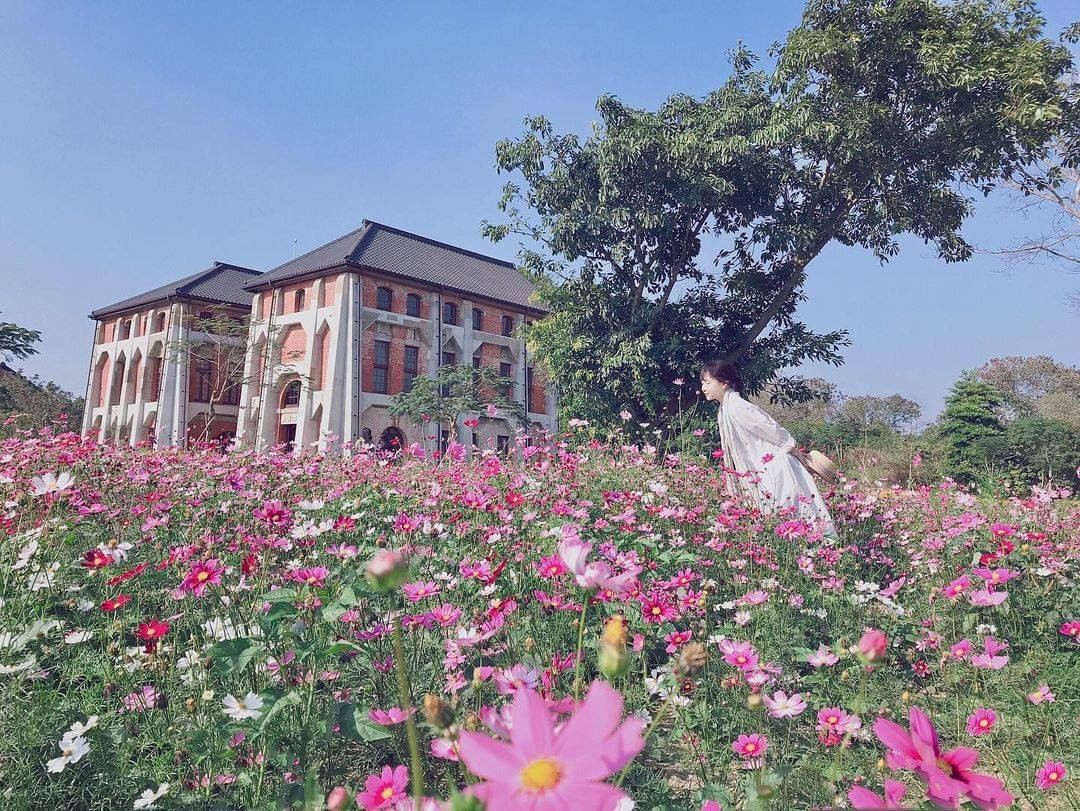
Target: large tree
point(879, 119)
point(16, 341)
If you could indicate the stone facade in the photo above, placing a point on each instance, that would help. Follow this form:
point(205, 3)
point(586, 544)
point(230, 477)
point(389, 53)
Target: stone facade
point(329, 345)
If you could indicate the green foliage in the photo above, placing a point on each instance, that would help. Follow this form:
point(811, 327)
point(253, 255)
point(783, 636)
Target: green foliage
point(1034, 450)
point(873, 122)
point(969, 421)
point(16, 341)
point(30, 402)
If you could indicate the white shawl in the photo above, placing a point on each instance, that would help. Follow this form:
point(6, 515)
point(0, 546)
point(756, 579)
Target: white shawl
point(750, 437)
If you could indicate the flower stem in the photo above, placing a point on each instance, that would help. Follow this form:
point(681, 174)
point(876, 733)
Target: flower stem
point(580, 645)
point(410, 723)
point(645, 739)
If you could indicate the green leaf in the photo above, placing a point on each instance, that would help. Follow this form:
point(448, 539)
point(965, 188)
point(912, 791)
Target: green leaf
point(233, 655)
point(279, 595)
point(356, 724)
point(276, 704)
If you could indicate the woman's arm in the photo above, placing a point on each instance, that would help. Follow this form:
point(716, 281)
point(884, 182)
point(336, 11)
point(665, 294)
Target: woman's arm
point(758, 422)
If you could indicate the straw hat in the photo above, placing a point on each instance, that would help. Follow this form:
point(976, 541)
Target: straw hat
point(821, 465)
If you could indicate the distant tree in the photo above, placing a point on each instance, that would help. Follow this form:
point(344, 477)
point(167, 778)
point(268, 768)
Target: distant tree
point(1031, 386)
point(34, 402)
point(16, 341)
point(877, 121)
point(868, 412)
point(970, 421)
point(454, 391)
point(1035, 450)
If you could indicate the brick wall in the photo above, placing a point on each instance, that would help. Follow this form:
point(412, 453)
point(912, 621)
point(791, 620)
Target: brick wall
point(399, 293)
point(396, 374)
point(293, 344)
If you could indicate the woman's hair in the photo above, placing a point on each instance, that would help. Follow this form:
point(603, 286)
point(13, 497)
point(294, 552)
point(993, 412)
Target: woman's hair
point(723, 372)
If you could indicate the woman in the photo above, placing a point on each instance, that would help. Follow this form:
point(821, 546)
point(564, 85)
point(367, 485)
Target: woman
point(757, 445)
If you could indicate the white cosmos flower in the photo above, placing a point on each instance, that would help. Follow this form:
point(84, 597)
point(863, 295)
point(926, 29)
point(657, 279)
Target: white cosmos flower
point(72, 751)
point(77, 636)
point(47, 483)
point(250, 706)
point(149, 797)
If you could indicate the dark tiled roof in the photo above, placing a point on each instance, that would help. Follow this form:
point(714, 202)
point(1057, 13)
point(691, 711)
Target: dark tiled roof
point(222, 283)
point(380, 247)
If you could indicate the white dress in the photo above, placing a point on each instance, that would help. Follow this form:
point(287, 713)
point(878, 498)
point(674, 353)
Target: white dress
point(757, 444)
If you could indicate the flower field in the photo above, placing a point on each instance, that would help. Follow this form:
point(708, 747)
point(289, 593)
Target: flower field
point(581, 626)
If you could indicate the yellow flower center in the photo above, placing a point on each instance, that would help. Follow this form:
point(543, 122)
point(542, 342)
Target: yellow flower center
point(751, 748)
point(1053, 777)
point(657, 611)
point(945, 766)
point(387, 792)
point(541, 775)
point(202, 575)
point(984, 723)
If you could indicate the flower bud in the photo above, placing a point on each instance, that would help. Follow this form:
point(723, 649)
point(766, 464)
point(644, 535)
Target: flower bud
point(437, 712)
point(613, 659)
point(754, 701)
point(871, 647)
point(691, 660)
point(386, 570)
point(339, 799)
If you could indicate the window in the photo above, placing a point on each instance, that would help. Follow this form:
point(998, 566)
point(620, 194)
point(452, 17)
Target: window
point(412, 305)
point(291, 396)
point(477, 318)
point(528, 387)
point(412, 365)
point(156, 367)
point(200, 388)
point(382, 367)
point(448, 359)
point(125, 333)
point(476, 361)
point(205, 315)
point(444, 441)
point(159, 322)
point(506, 371)
point(384, 299)
point(450, 313)
point(502, 443)
point(298, 301)
point(507, 325)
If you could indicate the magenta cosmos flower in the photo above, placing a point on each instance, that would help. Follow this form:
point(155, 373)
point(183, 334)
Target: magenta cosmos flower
point(1050, 774)
point(750, 746)
point(863, 799)
point(948, 775)
point(540, 769)
point(981, 721)
point(203, 574)
point(383, 790)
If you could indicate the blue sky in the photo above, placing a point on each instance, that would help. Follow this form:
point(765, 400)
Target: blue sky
point(143, 141)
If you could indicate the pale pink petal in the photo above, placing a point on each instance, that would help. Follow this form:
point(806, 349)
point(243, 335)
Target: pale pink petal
point(488, 758)
point(863, 799)
point(594, 720)
point(531, 729)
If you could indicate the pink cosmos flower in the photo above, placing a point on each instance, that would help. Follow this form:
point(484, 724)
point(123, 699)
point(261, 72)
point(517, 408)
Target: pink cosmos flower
point(1042, 695)
point(834, 719)
point(781, 705)
point(202, 575)
point(750, 746)
point(995, 577)
point(655, 607)
point(512, 679)
point(822, 657)
point(984, 598)
point(961, 650)
point(274, 513)
point(541, 770)
point(981, 722)
point(862, 799)
point(594, 575)
point(948, 775)
point(314, 576)
point(415, 592)
point(989, 659)
point(739, 654)
point(383, 790)
point(1071, 630)
point(1050, 774)
point(957, 587)
point(388, 718)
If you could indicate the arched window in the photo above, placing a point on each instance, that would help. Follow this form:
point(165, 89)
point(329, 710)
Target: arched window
point(298, 301)
point(125, 333)
point(159, 322)
point(477, 318)
point(412, 305)
point(507, 325)
point(450, 313)
point(290, 398)
point(384, 299)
